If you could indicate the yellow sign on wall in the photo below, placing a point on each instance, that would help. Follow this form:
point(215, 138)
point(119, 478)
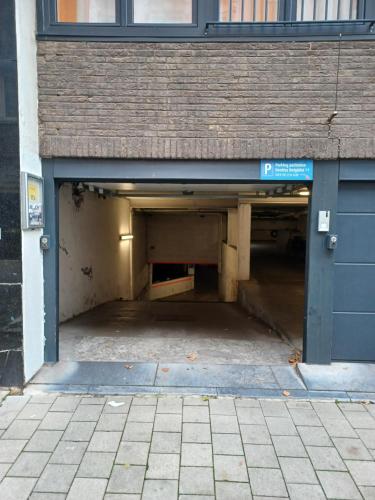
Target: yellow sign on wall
point(33, 208)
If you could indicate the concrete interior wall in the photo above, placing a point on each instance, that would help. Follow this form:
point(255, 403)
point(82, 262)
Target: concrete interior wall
point(184, 237)
point(228, 277)
point(244, 239)
point(32, 257)
point(278, 227)
point(95, 266)
point(262, 229)
point(232, 227)
point(140, 269)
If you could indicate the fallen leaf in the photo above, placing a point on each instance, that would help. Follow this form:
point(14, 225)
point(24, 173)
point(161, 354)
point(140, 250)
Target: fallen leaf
point(295, 358)
point(165, 370)
point(115, 404)
point(192, 356)
point(286, 393)
point(128, 367)
point(15, 391)
point(126, 466)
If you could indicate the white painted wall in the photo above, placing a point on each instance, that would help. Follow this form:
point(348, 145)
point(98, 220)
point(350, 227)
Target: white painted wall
point(89, 237)
point(32, 258)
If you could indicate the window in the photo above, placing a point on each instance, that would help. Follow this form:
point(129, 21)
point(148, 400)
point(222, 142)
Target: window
point(206, 19)
point(163, 11)
point(8, 93)
point(249, 11)
point(86, 11)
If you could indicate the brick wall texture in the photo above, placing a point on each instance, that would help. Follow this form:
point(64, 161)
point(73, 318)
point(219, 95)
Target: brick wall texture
point(207, 100)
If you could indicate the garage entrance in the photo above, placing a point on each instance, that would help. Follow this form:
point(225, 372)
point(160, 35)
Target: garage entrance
point(176, 273)
point(276, 291)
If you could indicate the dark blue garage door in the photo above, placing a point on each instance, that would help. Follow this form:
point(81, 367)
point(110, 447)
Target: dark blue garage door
point(354, 275)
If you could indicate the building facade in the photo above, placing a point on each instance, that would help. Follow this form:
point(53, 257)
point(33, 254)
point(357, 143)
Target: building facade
point(198, 91)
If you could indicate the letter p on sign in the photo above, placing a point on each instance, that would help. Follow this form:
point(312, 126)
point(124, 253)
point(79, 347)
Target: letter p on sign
point(267, 168)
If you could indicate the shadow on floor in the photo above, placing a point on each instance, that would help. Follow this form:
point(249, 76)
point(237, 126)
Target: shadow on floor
point(276, 292)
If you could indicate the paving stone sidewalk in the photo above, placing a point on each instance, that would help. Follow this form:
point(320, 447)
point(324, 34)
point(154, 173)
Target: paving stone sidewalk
point(55, 447)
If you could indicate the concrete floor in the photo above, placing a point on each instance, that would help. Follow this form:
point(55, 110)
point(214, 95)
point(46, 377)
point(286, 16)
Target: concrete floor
point(276, 291)
point(167, 332)
point(194, 296)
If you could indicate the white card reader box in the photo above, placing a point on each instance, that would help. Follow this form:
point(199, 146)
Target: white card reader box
point(323, 221)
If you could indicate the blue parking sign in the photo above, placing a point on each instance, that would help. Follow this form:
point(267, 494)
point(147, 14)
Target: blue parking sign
point(287, 170)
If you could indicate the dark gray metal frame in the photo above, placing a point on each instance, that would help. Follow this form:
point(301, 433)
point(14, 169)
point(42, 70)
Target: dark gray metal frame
point(319, 268)
point(124, 27)
point(205, 26)
point(319, 261)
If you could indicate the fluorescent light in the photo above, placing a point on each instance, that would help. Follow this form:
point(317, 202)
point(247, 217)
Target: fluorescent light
point(304, 193)
point(124, 237)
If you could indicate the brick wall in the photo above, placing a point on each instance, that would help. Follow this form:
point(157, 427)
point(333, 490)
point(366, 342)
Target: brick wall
point(206, 100)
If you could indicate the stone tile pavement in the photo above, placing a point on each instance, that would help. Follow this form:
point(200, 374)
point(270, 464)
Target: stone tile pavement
point(55, 447)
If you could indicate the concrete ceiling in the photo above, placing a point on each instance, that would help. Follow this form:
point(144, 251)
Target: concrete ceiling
point(202, 196)
point(210, 203)
point(137, 189)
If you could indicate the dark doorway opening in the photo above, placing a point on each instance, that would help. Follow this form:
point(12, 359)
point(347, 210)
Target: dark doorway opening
point(166, 272)
point(206, 278)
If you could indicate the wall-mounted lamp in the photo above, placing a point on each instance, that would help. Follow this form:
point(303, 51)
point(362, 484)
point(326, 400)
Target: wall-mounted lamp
point(124, 237)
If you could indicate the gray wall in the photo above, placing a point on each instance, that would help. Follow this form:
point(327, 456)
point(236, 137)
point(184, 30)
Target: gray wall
point(184, 238)
point(206, 100)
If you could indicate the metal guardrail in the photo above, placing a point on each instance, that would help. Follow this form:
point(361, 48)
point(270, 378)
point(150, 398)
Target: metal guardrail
point(356, 29)
point(290, 10)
